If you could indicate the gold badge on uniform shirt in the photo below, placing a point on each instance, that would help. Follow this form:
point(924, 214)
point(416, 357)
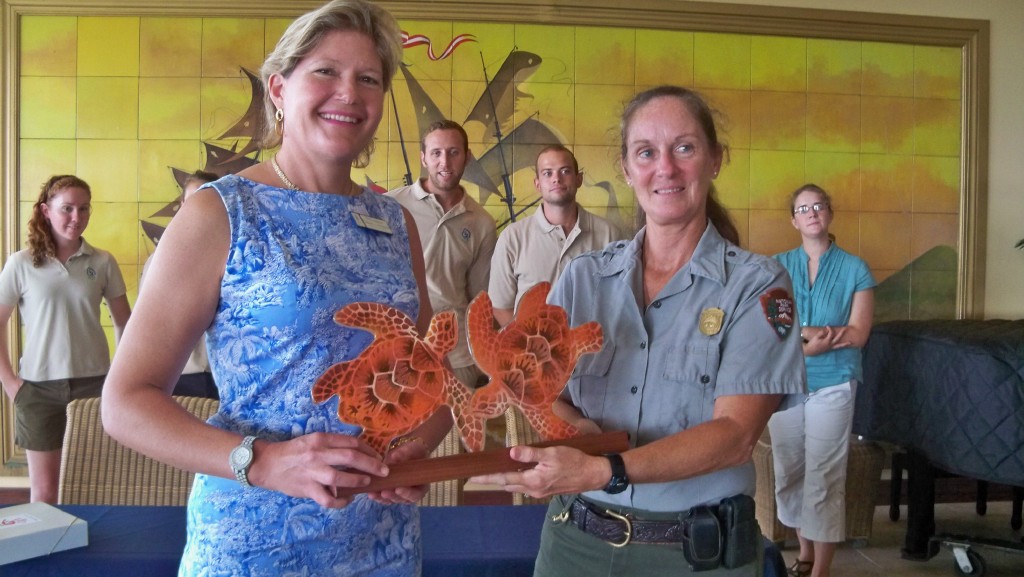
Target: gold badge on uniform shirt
point(711, 321)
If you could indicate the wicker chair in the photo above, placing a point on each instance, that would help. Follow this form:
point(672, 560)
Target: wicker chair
point(446, 493)
point(519, 432)
point(863, 472)
point(97, 470)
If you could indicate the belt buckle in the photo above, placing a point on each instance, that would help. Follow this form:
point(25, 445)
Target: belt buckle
point(629, 527)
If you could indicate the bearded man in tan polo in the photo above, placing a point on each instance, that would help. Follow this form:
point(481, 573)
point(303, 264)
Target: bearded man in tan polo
point(537, 248)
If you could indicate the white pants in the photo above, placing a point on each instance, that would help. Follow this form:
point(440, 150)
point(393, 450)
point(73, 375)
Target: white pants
point(810, 444)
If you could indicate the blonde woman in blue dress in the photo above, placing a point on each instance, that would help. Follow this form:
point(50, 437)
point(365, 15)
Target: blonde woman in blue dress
point(268, 256)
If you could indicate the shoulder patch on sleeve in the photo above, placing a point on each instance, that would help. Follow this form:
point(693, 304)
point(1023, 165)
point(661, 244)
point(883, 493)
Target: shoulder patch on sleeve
point(778, 311)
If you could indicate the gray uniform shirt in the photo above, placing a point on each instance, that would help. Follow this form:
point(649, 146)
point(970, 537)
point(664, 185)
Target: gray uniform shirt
point(659, 373)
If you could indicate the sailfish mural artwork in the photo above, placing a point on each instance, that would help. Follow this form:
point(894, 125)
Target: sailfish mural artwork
point(511, 146)
point(221, 161)
point(519, 144)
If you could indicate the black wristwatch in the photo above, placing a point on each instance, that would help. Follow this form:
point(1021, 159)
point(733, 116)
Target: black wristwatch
point(619, 480)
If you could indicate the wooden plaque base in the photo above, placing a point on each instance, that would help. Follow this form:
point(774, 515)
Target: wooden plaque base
point(462, 466)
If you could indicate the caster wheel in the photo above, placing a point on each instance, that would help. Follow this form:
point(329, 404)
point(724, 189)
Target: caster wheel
point(977, 565)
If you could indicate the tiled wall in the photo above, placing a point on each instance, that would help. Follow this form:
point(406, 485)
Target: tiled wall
point(120, 100)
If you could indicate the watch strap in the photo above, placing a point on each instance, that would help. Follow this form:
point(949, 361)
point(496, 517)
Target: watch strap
point(242, 473)
point(619, 480)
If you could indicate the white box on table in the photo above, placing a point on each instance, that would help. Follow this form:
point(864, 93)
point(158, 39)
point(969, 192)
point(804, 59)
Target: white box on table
point(37, 529)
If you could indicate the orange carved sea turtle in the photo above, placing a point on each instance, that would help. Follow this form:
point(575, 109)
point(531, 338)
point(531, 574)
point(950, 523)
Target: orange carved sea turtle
point(400, 380)
point(529, 361)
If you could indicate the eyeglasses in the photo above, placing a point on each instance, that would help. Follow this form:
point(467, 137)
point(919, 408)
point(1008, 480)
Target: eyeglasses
point(816, 207)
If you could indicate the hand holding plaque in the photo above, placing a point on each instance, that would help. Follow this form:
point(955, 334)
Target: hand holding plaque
point(400, 380)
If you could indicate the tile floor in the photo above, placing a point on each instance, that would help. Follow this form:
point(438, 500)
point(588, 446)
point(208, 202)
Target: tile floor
point(880, 557)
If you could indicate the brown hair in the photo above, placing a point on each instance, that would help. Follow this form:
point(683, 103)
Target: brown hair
point(199, 177)
point(444, 125)
point(40, 233)
point(700, 110)
point(557, 148)
point(306, 32)
point(809, 187)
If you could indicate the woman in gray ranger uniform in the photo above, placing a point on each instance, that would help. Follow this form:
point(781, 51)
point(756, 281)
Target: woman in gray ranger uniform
point(700, 348)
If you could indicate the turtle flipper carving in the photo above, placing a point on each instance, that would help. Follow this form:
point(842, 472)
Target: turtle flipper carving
point(529, 360)
point(399, 381)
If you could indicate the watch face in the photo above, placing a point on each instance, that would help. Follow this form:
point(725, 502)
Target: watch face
point(616, 485)
point(241, 456)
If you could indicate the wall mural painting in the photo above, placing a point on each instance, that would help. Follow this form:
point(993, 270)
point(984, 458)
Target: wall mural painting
point(877, 124)
point(882, 124)
point(508, 148)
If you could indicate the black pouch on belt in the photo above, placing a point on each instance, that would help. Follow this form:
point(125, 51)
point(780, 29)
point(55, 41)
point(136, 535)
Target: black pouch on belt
point(702, 539)
point(740, 530)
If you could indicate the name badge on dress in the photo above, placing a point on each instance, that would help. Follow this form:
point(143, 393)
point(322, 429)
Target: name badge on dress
point(371, 223)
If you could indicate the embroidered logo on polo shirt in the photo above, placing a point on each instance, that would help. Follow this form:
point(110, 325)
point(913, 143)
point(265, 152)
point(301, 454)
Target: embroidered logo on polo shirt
point(465, 234)
point(91, 273)
point(778, 310)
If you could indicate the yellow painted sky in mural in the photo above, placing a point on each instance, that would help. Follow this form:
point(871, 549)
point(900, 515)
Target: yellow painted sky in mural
point(876, 124)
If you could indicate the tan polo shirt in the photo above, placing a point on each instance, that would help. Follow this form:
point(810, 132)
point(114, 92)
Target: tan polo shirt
point(533, 250)
point(457, 249)
point(60, 308)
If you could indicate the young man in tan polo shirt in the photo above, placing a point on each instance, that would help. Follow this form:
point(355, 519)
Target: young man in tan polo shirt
point(457, 234)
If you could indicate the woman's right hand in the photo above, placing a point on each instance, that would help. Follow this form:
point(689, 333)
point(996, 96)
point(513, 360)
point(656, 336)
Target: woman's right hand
point(821, 340)
point(12, 386)
point(312, 466)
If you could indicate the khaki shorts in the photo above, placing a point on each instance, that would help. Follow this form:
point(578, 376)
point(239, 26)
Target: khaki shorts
point(40, 410)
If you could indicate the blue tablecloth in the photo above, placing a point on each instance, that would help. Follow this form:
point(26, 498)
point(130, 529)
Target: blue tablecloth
point(485, 541)
point(489, 541)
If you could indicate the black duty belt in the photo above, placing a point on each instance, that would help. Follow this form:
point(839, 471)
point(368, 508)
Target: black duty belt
point(620, 530)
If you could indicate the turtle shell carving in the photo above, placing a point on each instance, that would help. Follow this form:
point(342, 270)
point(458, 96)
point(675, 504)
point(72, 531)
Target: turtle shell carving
point(528, 361)
point(400, 380)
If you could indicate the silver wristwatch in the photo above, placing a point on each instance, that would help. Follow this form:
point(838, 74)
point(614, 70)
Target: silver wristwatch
point(240, 459)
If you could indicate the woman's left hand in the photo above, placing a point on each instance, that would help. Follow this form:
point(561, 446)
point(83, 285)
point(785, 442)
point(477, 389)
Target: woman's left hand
point(840, 338)
point(416, 448)
point(556, 471)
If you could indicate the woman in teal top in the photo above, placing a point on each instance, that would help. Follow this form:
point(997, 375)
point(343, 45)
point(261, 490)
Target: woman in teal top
point(834, 297)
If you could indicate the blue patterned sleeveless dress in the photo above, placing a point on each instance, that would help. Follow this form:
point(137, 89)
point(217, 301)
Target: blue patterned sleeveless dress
point(294, 259)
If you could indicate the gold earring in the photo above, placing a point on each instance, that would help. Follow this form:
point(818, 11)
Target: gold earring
point(279, 120)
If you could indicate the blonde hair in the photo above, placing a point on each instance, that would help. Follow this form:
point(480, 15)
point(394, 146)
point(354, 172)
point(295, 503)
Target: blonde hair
point(305, 34)
point(41, 244)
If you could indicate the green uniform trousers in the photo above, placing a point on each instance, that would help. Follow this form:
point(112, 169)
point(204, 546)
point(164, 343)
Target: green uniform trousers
point(565, 551)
